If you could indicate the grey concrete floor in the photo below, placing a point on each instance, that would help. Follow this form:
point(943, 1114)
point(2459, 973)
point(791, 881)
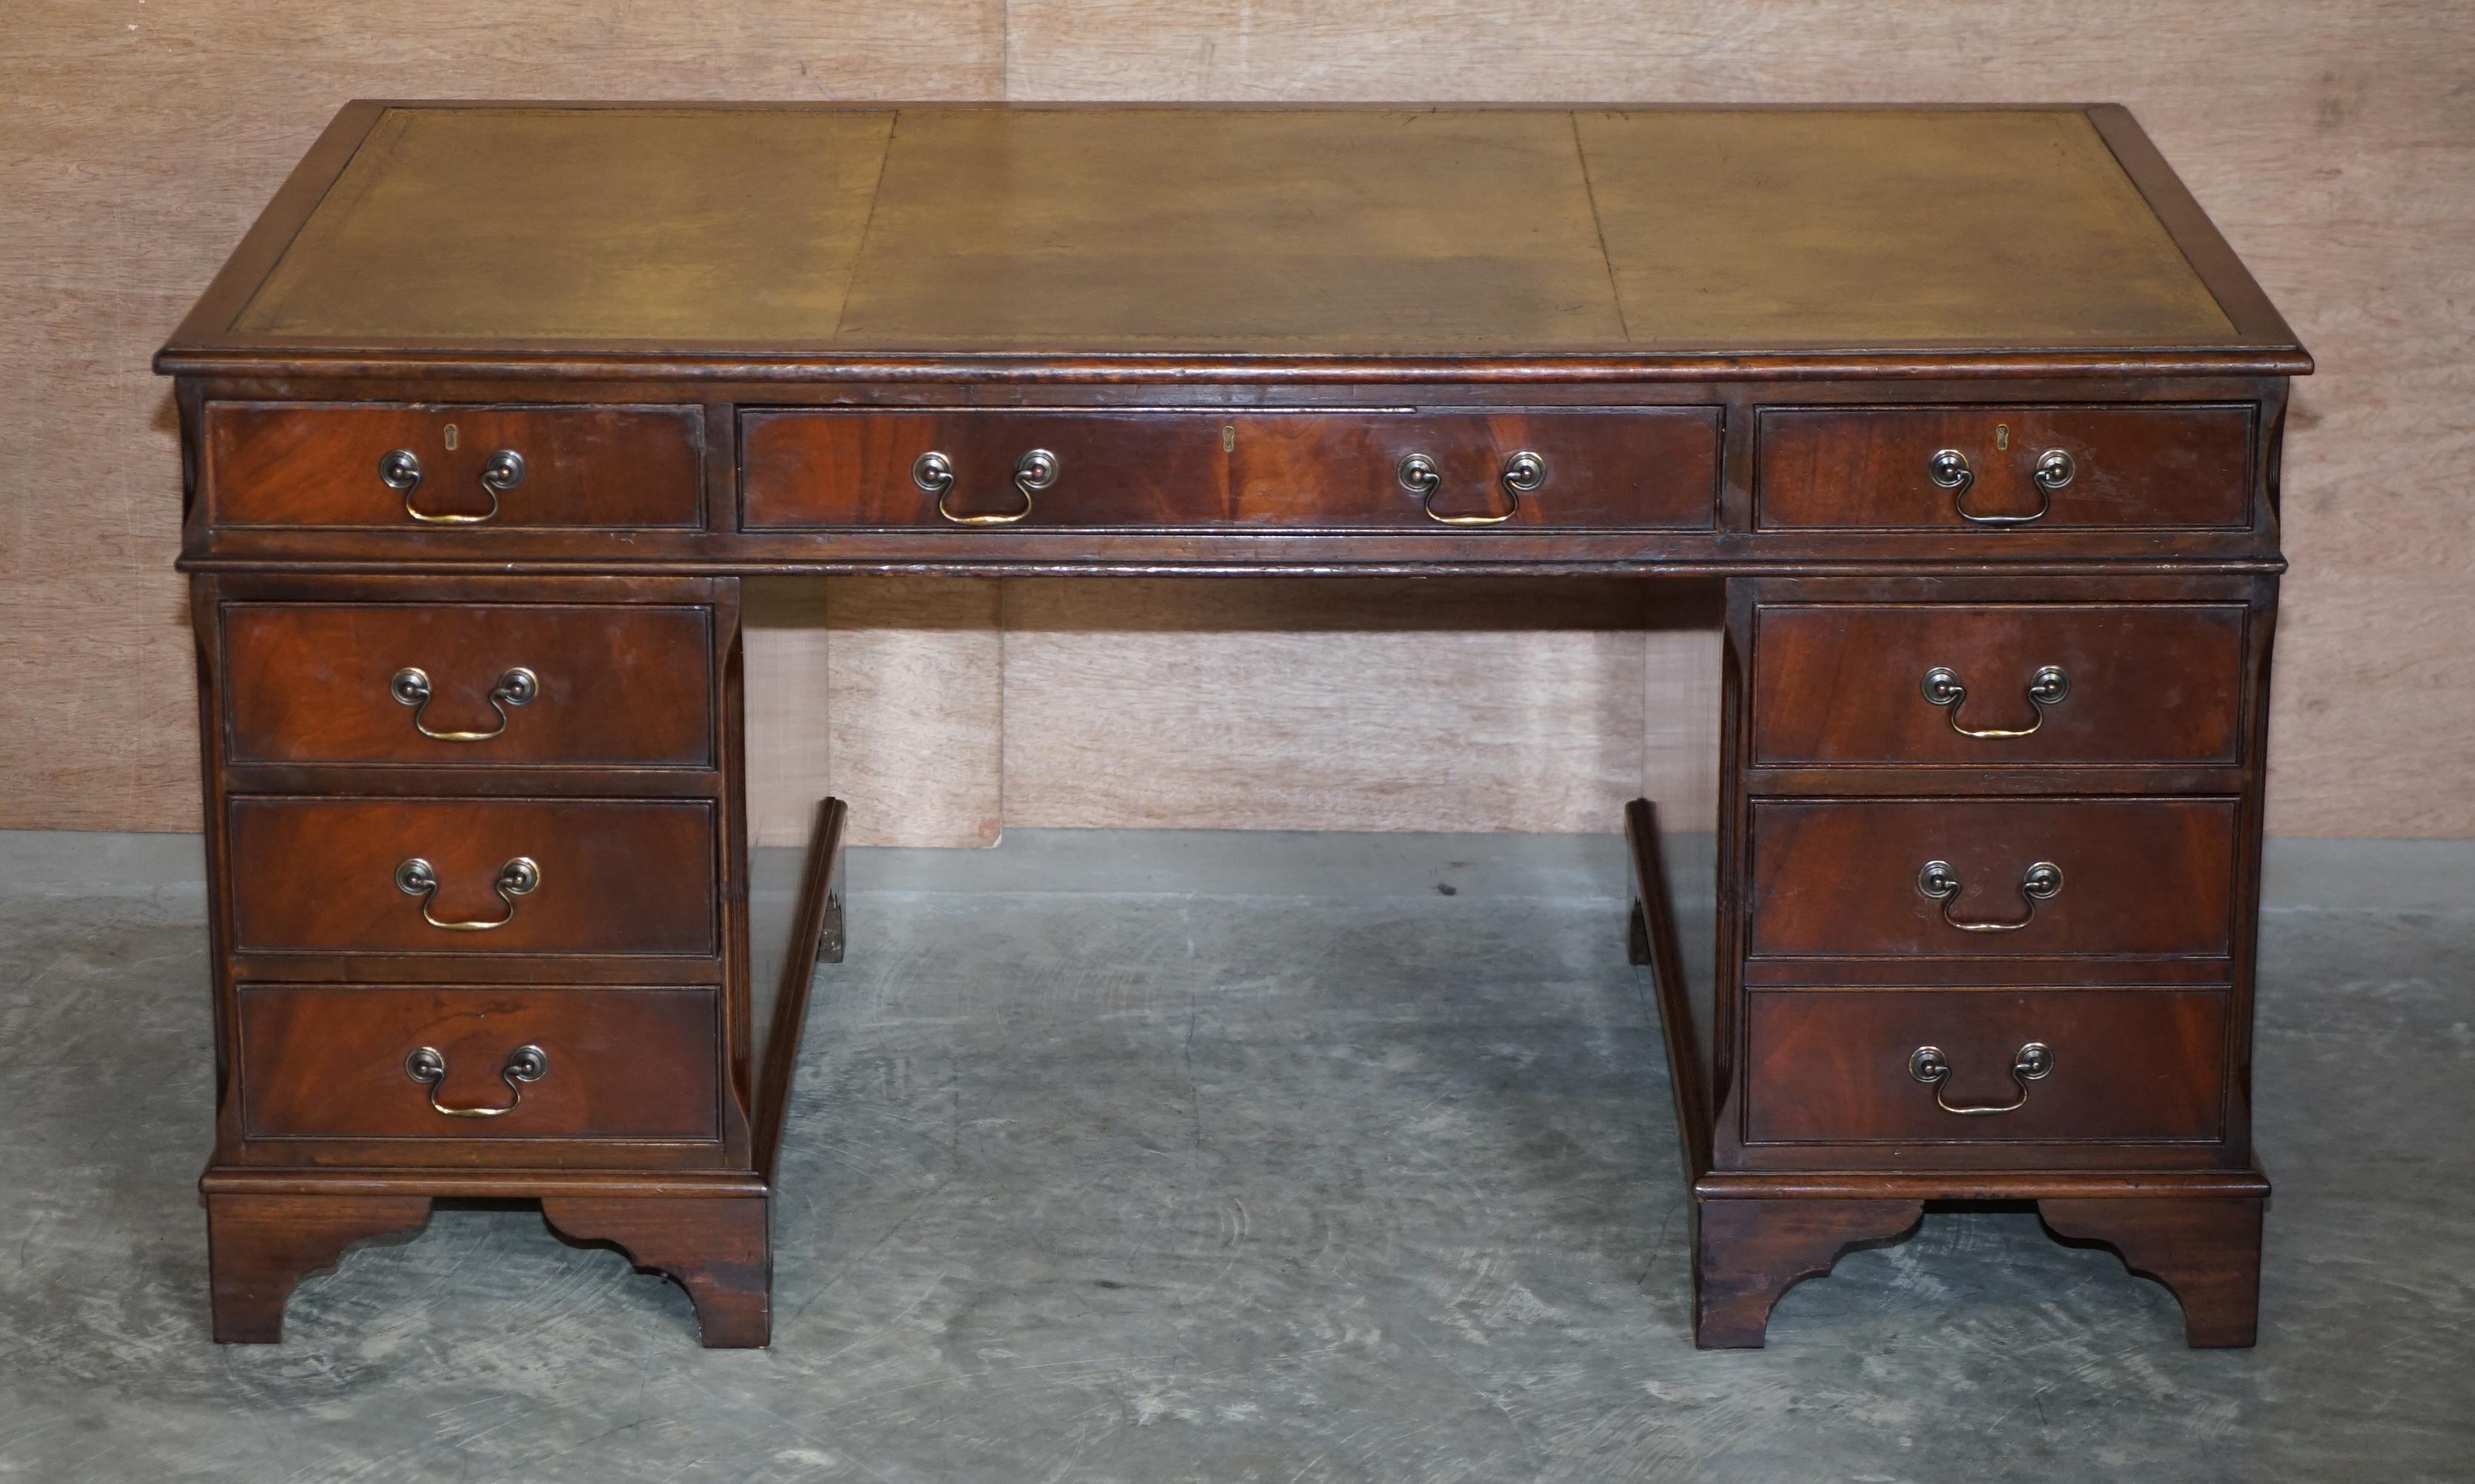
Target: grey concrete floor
point(1216, 1157)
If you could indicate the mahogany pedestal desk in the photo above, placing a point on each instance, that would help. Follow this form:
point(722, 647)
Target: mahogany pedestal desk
point(1973, 412)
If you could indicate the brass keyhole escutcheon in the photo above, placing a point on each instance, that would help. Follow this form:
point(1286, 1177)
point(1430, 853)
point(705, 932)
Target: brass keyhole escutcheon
point(451, 437)
point(2001, 436)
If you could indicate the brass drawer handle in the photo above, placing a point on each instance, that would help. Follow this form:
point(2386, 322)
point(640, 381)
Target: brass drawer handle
point(1948, 469)
point(400, 469)
point(2031, 1061)
point(1523, 473)
point(410, 687)
point(2043, 881)
point(934, 472)
point(428, 1066)
point(417, 877)
point(2048, 687)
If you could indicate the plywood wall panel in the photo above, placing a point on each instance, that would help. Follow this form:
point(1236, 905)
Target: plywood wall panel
point(917, 727)
point(1679, 742)
point(786, 674)
point(1275, 704)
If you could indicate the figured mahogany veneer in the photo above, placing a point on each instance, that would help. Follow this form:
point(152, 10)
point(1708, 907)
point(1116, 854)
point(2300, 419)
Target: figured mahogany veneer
point(616, 876)
point(2131, 1066)
point(284, 464)
point(613, 686)
point(1839, 685)
point(2150, 877)
point(1865, 468)
point(1638, 468)
point(329, 1061)
point(1977, 393)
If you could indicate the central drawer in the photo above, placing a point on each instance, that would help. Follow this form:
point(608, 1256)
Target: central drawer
point(348, 1062)
point(472, 876)
point(1653, 468)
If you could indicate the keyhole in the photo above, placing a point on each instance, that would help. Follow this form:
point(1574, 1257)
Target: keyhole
point(2002, 436)
point(1228, 437)
point(451, 437)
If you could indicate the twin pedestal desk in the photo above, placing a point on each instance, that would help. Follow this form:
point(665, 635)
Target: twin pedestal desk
point(1973, 410)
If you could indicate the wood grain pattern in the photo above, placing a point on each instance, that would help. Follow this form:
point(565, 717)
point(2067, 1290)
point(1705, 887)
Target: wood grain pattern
point(328, 1061)
point(263, 1245)
point(2148, 876)
point(583, 466)
point(720, 1250)
point(1843, 684)
point(1831, 1065)
point(1653, 468)
point(2206, 1253)
point(311, 682)
point(1865, 468)
point(2330, 142)
point(616, 876)
point(1747, 1252)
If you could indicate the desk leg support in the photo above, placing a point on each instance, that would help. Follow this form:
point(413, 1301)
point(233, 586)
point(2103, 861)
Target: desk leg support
point(258, 1246)
point(2206, 1251)
point(716, 1247)
point(1747, 1252)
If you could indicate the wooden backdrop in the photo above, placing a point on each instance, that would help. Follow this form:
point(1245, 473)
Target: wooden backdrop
point(2333, 141)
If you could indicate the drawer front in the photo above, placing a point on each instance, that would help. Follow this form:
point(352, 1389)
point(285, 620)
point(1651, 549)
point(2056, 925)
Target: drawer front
point(456, 684)
point(1874, 468)
point(1953, 684)
point(329, 465)
point(1633, 469)
point(331, 1062)
point(2127, 1064)
point(2132, 876)
point(610, 876)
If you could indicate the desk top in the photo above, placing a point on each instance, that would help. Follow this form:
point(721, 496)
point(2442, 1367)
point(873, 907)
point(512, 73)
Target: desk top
point(911, 238)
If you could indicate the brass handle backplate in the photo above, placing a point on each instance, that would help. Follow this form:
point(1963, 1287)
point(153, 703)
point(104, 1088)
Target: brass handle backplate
point(428, 1066)
point(410, 687)
point(417, 877)
point(1948, 469)
point(1928, 1065)
point(2048, 687)
point(1939, 882)
point(934, 472)
point(1523, 473)
point(400, 469)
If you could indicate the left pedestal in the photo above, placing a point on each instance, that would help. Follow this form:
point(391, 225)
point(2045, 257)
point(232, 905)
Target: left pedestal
point(478, 857)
